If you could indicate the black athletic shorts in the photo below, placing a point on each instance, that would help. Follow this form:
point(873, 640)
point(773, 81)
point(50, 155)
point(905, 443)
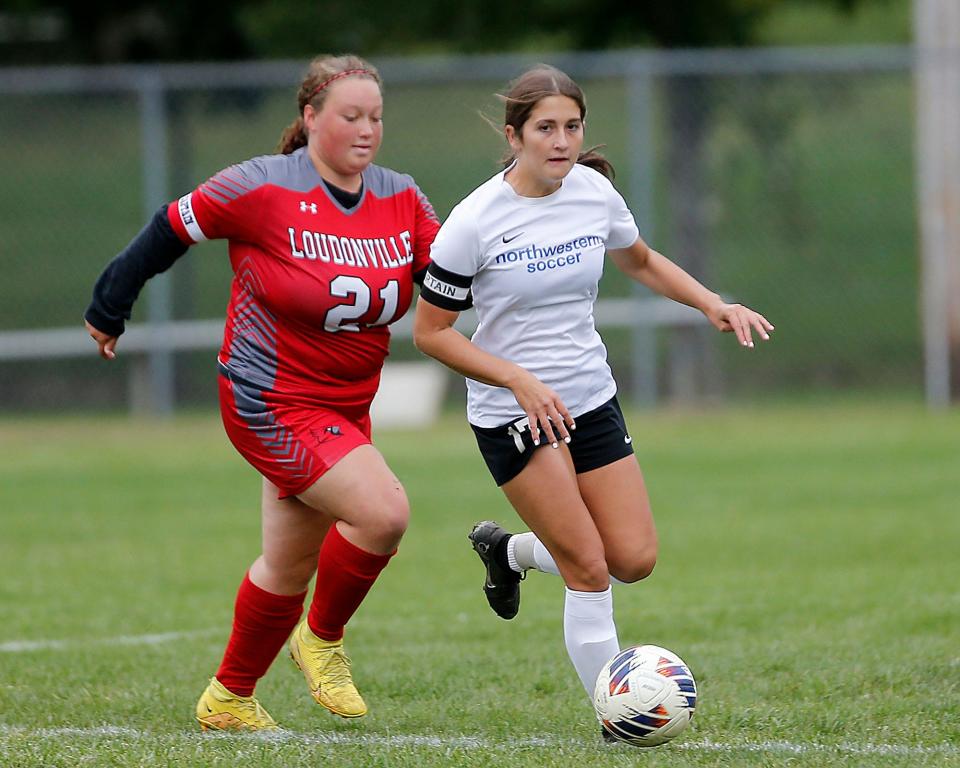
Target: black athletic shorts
point(600, 438)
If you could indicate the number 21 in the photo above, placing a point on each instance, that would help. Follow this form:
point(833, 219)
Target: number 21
point(345, 317)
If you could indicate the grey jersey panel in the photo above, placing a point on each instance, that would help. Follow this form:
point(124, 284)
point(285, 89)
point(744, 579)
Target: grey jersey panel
point(384, 182)
point(294, 172)
point(253, 349)
point(297, 173)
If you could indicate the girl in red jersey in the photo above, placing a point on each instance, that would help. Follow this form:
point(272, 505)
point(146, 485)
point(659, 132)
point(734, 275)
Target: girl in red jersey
point(325, 248)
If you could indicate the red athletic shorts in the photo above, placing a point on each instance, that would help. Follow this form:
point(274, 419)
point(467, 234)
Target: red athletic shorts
point(291, 446)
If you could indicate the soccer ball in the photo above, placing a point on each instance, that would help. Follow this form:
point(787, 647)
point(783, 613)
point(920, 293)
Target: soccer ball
point(645, 696)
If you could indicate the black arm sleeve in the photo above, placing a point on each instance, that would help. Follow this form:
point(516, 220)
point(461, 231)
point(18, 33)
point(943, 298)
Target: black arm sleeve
point(151, 252)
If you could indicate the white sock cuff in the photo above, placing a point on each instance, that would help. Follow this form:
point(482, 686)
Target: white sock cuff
point(590, 596)
point(520, 554)
point(589, 605)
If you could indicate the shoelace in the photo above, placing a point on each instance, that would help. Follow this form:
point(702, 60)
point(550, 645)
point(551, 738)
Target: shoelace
point(257, 715)
point(261, 713)
point(337, 669)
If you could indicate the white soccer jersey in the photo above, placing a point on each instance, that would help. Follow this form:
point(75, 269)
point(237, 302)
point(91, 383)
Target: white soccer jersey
point(533, 265)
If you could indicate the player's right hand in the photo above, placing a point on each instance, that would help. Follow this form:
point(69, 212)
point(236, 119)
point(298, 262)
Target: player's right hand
point(105, 342)
point(544, 408)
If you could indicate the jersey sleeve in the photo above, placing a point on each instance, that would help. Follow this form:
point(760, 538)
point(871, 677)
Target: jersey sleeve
point(455, 259)
point(426, 226)
point(623, 229)
point(225, 206)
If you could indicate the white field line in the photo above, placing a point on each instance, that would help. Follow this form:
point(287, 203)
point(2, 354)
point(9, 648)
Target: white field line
point(21, 646)
point(114, 733)
point(414, 740)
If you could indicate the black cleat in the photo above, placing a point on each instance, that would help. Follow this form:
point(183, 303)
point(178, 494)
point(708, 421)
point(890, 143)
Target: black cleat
point(502, 583)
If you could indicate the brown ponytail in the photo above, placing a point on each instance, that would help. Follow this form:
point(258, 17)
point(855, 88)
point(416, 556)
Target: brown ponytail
point(527, 91)
point(292, 138)
point(322, 71)
point(593, 159)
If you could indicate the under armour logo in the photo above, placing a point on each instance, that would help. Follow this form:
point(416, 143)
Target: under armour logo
point(305, 206)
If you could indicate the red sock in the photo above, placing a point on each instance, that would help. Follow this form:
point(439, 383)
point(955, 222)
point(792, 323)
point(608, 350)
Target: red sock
point(262, 622)
point(345, 574)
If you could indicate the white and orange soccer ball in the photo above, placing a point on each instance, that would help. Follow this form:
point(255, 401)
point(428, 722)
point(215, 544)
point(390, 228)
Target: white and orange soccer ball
point(645, 696)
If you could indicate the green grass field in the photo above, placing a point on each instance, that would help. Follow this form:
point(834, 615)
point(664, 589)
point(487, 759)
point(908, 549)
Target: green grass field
point(808, 575)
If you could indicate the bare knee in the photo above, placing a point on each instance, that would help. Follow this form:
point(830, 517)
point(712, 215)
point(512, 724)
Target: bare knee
point(394, 519)
point(585, 573)
point(635, 567)
point(384, 526)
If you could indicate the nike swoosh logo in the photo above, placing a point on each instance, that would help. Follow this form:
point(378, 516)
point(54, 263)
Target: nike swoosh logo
point(627, 439)
point(511, 239)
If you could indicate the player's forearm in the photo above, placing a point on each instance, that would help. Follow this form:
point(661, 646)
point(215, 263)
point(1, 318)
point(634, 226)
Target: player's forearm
point(663, 276)
point(456, 351)
point(152, 251)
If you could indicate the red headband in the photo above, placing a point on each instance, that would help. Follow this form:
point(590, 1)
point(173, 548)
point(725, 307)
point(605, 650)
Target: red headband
point(337, 76)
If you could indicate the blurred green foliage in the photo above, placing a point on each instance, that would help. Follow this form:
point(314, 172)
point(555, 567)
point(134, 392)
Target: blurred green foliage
point(99, 31)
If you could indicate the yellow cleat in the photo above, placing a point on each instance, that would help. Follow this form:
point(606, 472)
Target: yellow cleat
point(327, 670)
point(221, 710)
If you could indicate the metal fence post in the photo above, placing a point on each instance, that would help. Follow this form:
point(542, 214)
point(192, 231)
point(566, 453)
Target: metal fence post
point(937, 79)
point(159, 374)
point(640, 151)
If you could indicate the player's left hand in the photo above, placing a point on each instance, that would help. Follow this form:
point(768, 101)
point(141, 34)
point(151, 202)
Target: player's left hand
point(740, 320)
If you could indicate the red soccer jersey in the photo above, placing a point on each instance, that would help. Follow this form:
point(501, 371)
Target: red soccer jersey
point(315, 284)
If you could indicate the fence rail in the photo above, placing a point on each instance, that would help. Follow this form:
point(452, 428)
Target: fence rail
point(461, 68)
point(193, 335)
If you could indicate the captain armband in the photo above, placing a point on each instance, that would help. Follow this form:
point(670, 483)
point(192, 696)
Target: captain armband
point(446, 289)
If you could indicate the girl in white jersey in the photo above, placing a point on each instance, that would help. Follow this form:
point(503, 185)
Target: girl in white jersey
point(527, 247)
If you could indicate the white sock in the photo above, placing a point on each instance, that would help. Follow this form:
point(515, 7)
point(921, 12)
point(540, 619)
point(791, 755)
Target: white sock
point(525, 551)
point(590, 633)
point(542, 559)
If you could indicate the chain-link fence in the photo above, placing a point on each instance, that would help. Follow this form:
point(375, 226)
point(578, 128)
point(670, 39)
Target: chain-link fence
point(783, 179)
